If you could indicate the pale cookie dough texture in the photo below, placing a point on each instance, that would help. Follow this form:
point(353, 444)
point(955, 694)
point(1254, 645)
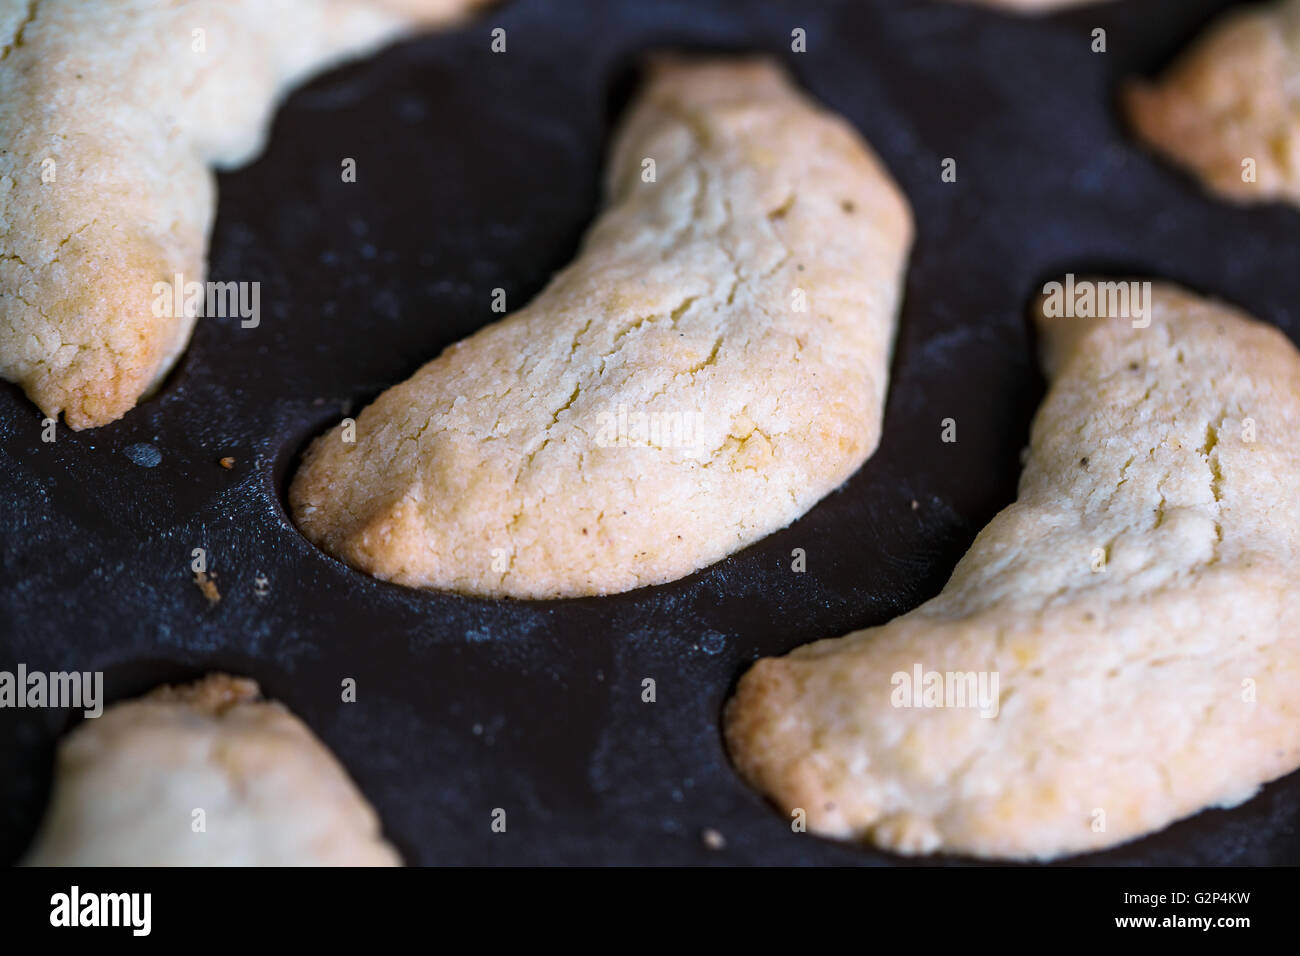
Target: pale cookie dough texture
point(128, 784)
point(1139, 603)
point(1232, 99)
point(111, 115)
point(712, 364)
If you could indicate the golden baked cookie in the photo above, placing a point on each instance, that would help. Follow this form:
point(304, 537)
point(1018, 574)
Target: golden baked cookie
point(110, 117)
point(204, 774)
point(1117, 650)
point(711, 365)
point(1228, 110)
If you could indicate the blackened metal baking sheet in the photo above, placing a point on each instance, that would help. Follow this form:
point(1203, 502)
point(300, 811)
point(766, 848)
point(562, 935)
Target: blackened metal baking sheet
point(479, 170)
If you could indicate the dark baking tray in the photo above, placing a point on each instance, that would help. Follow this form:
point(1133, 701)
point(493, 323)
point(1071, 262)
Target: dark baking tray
point(479, 170)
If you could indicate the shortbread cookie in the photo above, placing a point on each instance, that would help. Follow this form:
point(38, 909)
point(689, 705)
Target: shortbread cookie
point(711, 365)
point(1229, 108)
point(204, 775)
point(1138, 604)
point(110, 116)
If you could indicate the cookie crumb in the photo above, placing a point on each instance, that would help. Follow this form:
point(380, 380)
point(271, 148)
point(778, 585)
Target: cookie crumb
point(207, 584)
point(227, 463)
point(712, 839)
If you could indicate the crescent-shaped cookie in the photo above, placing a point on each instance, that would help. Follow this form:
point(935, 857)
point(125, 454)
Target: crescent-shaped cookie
point(1229, 109)
point(204, 774)
point(1132, 619)
point(711, 365)
point(110, 117)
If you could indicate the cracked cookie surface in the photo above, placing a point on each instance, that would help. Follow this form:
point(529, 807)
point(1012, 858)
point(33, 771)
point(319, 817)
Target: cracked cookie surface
point(1232, 98)
point(110, 117)
point(738, 305)
point(1138, 604)
point(128, 784)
